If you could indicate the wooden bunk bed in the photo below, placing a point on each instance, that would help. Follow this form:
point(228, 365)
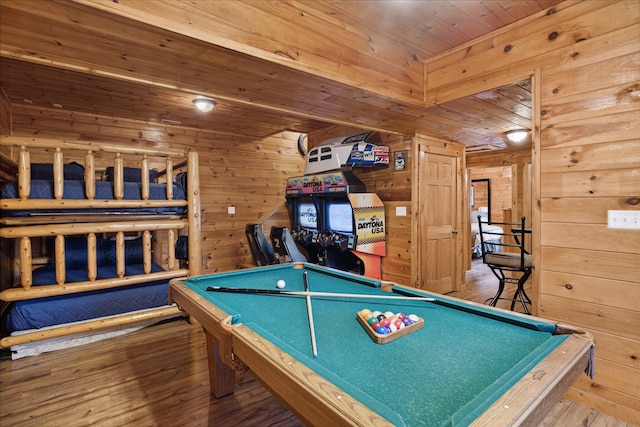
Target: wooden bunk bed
point(94, 237)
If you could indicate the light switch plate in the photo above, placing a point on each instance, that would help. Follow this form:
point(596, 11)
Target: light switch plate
point(231, 210)
point(625, 220)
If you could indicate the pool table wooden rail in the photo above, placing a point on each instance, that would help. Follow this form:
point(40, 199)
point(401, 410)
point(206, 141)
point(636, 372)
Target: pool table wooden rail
point(318, 402)
point(314, 400)
point(530, 400)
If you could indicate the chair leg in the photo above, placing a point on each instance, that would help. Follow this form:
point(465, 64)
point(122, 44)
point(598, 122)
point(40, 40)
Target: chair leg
point(520, 295)
point(501, 283)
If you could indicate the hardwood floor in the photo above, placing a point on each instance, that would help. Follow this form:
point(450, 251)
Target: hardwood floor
point(158, 377)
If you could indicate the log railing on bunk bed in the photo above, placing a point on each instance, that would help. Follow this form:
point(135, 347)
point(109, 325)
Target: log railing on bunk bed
point(59, 227)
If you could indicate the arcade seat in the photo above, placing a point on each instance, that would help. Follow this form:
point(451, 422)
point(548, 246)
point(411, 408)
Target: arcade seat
point(261, 250)
point(285, 247)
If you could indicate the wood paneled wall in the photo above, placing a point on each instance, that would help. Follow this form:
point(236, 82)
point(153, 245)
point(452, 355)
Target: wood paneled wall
point(589, 162)
point(586, 160)
point(5, 114)
point(237, 171)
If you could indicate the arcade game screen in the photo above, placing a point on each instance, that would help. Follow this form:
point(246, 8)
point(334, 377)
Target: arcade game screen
point(340, 217)
point(307, 216)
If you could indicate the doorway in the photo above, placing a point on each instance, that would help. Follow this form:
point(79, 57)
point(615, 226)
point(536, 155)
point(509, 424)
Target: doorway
point(492, 191)
point(488, 116)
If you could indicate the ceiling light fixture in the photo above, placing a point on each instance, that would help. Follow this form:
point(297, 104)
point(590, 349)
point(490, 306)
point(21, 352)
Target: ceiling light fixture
point(204, 104)
point(517, 135)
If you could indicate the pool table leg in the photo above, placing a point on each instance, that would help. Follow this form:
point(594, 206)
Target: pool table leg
point(222, 377)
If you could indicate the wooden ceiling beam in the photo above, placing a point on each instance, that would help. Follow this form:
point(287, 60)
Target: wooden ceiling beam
point(290, 34)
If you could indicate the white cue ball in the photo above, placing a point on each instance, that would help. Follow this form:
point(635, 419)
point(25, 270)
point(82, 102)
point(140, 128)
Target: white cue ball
point(281, 284)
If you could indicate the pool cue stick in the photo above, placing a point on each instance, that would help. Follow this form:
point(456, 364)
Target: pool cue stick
point(313, 294)
point(312, 328)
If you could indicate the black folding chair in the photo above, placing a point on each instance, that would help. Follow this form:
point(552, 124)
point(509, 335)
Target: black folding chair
point(504, 255)
point(261, 250)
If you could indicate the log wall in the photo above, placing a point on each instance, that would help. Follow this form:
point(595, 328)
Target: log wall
point(585, 59)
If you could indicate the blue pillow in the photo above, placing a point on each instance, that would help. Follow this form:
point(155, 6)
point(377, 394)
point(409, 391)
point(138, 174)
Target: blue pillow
point(44, 171)
point(75, 249)
point(132, 174)
point(181, 180)
point(133, 253)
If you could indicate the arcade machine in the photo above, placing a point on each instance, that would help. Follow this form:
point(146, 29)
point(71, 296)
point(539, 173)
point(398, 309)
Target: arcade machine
point(334, 219)
point(304, 219)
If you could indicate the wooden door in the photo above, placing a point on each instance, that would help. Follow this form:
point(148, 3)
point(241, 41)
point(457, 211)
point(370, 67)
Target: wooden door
point(440, 209)
point(438, 201)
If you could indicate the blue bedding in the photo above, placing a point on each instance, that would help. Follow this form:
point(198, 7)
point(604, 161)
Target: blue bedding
point(50, 311)
point(43, 189)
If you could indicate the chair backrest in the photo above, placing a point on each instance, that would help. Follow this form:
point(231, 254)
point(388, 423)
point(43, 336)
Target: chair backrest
point(506, 239)
point(261, 250)
point(284, 246)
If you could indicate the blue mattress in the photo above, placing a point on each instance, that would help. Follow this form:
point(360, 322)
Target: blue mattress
point(50, 311)
point(43, 189)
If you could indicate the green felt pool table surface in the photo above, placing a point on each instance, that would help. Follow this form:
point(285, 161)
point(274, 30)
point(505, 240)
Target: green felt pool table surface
point(464, 359)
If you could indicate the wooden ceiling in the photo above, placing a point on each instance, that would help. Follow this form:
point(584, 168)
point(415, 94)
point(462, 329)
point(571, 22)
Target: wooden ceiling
point(104, 58)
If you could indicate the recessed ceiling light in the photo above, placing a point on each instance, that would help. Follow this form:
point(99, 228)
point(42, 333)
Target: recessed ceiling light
point(57, 105)
point(28, 101)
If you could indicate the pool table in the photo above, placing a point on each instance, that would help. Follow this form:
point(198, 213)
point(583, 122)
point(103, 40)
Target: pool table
point(469, 364)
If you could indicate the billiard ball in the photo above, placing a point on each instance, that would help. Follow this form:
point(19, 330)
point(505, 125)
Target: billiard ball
point(414, 318)
point(281, 284)
point(382, 330)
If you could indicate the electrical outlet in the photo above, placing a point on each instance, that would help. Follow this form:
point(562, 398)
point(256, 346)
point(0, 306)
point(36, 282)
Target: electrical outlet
point(626, 220)
point(231, 210)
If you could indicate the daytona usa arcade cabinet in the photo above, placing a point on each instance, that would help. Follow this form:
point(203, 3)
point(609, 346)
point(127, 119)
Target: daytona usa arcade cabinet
point(334, 219)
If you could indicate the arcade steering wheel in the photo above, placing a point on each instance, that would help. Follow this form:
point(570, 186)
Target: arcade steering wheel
point(325, 238)
point(296, 232)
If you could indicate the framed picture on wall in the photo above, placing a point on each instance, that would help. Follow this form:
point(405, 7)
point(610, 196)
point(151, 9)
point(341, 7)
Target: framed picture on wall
point(399, 160)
